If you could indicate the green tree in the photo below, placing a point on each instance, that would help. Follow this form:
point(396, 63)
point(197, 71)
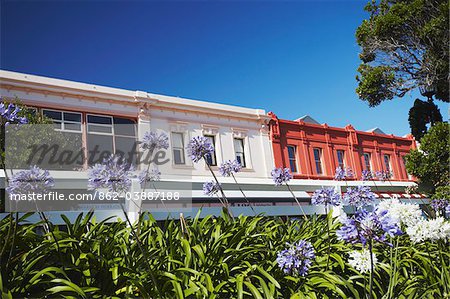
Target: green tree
point(430, 163)
point(404, 45)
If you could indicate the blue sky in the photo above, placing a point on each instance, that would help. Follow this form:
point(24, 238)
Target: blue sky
point(290, 57)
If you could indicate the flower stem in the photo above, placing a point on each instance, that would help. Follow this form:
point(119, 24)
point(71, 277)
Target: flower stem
point(226, 203)
point(371, 270)
point(243, 194)
point(328, 235)
point(298, 203)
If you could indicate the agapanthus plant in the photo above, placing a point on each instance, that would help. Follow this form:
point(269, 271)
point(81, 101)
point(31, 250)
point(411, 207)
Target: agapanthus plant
point(283, 175)
point(359, 196)
point(154, 141)
point(366, 175)
point(199, 147)
point(297, 258)
point(365, 227)
point(33, 180)
point(404, 214)
point(10, 114)
point(360, 260)
point(343, 174)
point(326, 196)
point(228, 168)
point(429, 229)
point(383, 175)
point(113, 174)
point(440, 206)
point(152, 175)
point(211, 188)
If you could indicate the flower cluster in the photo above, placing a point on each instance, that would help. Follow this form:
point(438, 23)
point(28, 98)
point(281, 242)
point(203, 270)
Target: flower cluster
point(342, 174)
point(112, 174)
point(429, 229)
point(280, 175)
point(326, 196)
point(404, 213)
point(211, 188)
point(199, 147)
point(10, 114)
point(33, 180)
point(297, 258)
point(153, 140)
point(360, 260)
point(359, 196)
point(229, 167)
point(365, 226)
point(440, 205)
point(383, 175)
point(152, 175)
point(366, 175)
point(411, 189)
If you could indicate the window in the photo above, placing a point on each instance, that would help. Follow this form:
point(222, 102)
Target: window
point(211, 158)
point(366, 157)
point(318, 160)
point(387, 162)
point(239, 151)
point(68, 137)
point(178, 148)
point(340, 158)
point(64, 121)
point(292, 160)
point(107, 135)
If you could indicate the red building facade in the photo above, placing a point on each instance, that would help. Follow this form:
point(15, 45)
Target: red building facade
point(314, 151)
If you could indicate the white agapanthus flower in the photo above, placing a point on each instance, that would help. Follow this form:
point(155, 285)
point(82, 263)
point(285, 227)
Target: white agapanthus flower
point(360, 260)
point(404, 213)
point(429, 229)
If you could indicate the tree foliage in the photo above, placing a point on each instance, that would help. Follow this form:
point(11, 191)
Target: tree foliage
point(430, 163)
point(404, 45)
point(421, 114)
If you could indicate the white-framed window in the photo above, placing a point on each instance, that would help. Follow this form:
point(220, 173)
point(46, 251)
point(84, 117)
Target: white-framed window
point(211, 158)
point(178, 148)
point(239, 151)
point(367, 162)
point(340, 158)
point(292, 154)
point(63, 120)
point(110, 134)
point(69, 124)
point(318, 160)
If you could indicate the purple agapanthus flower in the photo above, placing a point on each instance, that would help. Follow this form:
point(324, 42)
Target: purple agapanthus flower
point(359, 196)
point(33, 180)
point(281, 175)
point(383, 175)
point(326, 196)
point(342, 174)
point(153, 140)
point(439, 205)
point(366, 175)
point(152, 175)
point(112, 174)
point(229, 167)
point(297, 258)
point(211, 188)
point(365, 226)
point(447, 209)
point(199, 147)
point(10, 113)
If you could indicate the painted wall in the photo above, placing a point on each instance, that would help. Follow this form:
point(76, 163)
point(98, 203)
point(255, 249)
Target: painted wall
point(306, 136)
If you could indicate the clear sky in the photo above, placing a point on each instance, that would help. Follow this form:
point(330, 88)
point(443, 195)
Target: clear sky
point(289, 57)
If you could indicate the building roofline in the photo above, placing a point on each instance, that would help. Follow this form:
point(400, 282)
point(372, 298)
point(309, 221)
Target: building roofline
point(347, 128)
point(47, 84)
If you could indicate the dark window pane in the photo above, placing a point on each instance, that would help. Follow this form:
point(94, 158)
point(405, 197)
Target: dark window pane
point(125, 146)
point(123, 126)
point(72, 127)
point(76, 117)
point(178, 156)
point(52, 114)
point(95, 119)
point(99, 147)
point(99, 129)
